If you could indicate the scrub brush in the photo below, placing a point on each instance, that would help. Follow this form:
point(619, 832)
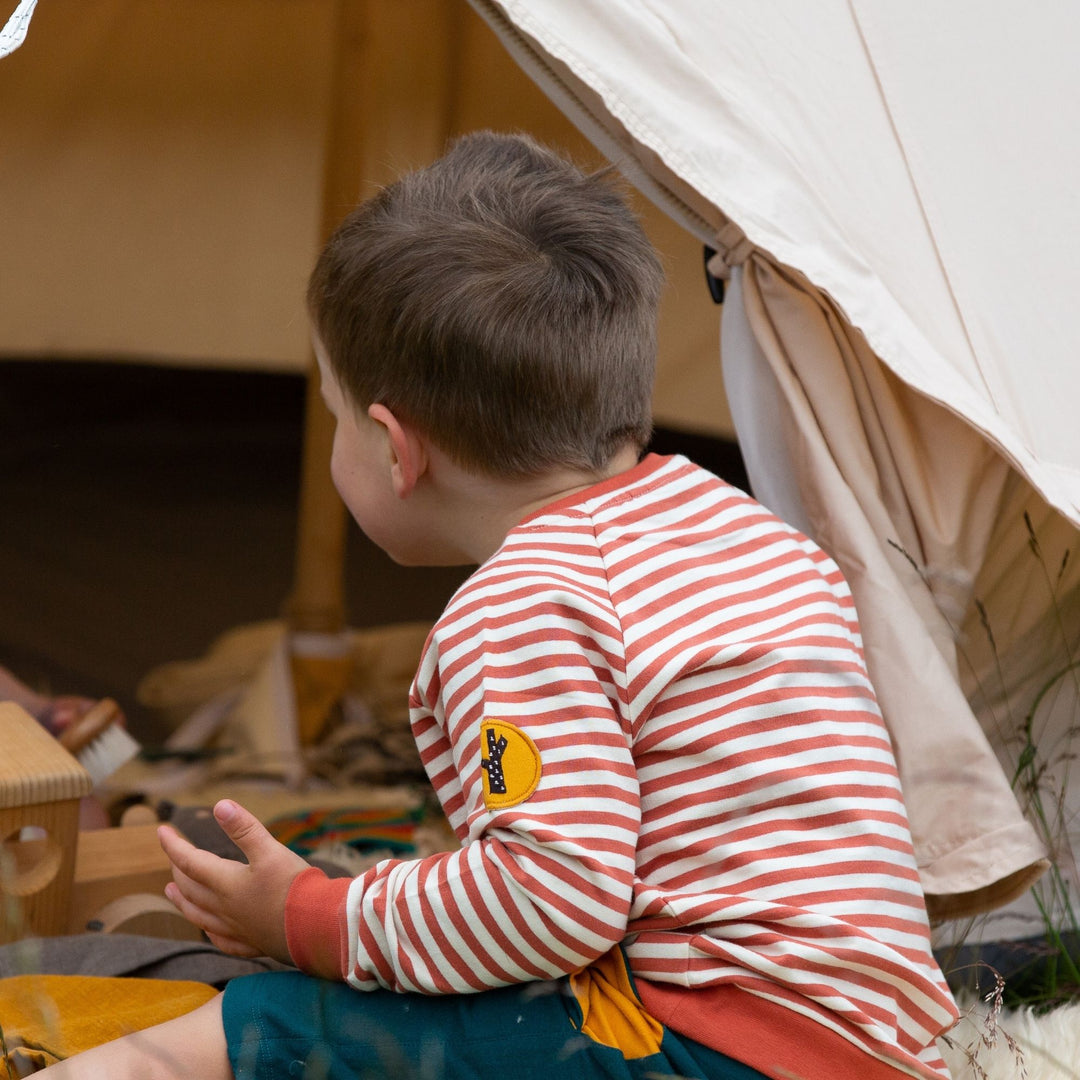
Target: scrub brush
point(98, 742)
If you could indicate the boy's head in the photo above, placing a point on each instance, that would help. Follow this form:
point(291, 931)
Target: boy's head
point(500, 301)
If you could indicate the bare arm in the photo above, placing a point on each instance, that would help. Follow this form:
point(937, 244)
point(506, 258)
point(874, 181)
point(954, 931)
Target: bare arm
point(13, 689)
point(55, 713)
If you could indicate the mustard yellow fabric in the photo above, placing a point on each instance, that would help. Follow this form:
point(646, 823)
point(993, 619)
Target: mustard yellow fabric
point(46, 1018)
point(611, 1013)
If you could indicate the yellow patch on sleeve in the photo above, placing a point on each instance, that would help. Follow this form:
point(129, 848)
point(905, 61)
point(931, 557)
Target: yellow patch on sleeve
point(511, 764)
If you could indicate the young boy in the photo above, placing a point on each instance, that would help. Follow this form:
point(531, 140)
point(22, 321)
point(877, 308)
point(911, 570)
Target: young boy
point(647, 717)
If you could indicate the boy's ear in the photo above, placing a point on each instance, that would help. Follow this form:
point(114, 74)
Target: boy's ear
point(408, 454)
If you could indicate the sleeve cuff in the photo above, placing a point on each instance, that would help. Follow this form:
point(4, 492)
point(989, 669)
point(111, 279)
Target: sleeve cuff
point(316, 927)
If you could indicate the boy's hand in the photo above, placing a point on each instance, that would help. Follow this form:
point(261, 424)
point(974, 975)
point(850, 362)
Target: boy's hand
point(241, 908)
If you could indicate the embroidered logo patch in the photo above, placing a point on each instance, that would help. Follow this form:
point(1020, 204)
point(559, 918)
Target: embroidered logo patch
point(511, 764)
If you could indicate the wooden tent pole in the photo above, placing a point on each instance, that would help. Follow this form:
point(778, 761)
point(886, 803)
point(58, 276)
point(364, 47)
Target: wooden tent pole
point(317, 602)
point(390, 110)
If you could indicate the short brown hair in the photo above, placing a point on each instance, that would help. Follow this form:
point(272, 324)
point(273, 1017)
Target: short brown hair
point(500, 300)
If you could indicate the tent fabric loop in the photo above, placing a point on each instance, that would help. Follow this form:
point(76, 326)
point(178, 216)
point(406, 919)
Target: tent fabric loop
point(731, 249)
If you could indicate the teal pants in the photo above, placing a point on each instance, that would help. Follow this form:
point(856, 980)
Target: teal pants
point(288, 1025)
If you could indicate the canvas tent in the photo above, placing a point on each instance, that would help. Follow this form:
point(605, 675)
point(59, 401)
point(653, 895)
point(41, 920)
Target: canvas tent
point(890, 190)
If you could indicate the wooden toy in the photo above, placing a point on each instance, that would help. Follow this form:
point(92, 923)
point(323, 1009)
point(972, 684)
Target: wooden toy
point(40, 787)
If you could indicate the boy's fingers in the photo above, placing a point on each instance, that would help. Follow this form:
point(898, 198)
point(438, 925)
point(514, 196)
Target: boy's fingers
point(232, 946)
point(205, 919)
point(195, 892)
point(194, 914)
point(188, 905)
point(173, 844)
point(194, 863)
point(243, 828)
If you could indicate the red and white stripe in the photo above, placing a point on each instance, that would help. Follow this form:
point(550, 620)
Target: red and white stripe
point(718, 789)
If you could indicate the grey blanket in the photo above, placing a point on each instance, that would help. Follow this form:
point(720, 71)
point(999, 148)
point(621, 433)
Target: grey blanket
point(127, 955)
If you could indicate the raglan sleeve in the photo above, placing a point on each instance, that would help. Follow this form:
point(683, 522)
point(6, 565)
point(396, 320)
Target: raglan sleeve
point(519, 710)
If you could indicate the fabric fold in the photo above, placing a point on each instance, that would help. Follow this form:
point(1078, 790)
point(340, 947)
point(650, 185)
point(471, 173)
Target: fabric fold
point(903, 495)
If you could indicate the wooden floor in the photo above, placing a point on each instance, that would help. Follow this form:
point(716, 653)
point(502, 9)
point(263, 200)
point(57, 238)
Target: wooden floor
point(145, 510)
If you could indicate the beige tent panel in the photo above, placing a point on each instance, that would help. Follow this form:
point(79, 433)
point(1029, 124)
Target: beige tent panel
point(160, 177)
point(778, 117)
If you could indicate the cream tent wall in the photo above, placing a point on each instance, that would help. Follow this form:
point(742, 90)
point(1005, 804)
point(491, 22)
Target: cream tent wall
point(160, 174)
point(891, 190)
point(162, 168)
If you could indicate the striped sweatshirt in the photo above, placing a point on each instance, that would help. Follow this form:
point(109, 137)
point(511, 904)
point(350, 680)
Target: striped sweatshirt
point(648, 720)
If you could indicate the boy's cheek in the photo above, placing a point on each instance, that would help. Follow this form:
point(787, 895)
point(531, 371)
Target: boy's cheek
point(335, 473)
point(339, 473)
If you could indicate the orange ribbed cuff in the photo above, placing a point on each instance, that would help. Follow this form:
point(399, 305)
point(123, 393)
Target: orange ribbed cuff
point(316, 928)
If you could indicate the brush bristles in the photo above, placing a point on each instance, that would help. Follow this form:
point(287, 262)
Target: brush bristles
point(111, 749)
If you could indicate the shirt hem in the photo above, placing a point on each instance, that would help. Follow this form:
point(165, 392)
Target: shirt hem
point(770, 1038)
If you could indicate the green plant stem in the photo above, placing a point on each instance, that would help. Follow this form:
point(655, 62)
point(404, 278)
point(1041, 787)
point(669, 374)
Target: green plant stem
point(1045, 689)
point(1053, 935)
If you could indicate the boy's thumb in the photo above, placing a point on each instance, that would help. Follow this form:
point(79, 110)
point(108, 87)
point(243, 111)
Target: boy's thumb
point(242, 827)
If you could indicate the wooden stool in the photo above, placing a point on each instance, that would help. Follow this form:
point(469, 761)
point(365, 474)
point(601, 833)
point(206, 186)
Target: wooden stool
point(40, 788)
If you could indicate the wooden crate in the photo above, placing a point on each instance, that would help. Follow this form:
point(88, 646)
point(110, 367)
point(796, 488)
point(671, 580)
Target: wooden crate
point(40, 788)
